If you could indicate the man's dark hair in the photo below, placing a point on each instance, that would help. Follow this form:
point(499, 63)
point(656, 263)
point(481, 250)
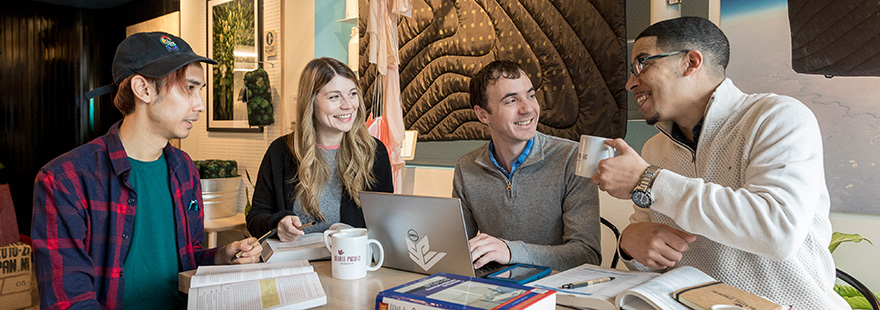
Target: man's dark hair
point(692, 33)
point(491, 73)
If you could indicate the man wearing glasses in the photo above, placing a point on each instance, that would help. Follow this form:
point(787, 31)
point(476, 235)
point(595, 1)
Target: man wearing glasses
point(733, 184)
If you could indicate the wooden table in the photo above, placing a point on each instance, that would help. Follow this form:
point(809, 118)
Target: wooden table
point(351, 294)
point(360, 293)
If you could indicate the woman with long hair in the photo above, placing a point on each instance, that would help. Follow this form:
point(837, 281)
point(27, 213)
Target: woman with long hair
point(315, 172)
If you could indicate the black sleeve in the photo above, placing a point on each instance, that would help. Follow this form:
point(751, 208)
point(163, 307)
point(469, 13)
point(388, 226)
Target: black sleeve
point(384, 182)
point(268, 204)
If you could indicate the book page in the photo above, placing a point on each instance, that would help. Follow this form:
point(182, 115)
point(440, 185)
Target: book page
point(296, 291)
point(213, 275)
point(595, 296)
point(657, 292)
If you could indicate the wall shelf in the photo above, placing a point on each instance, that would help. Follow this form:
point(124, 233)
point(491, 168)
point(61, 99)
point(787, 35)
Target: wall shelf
point(350, 20)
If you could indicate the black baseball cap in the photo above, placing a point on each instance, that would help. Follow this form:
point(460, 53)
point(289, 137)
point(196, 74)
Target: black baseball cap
point(151, 54)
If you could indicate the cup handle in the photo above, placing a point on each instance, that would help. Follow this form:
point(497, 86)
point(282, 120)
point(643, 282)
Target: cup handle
point(327, 239)
point(381, 252)
point(612, 152)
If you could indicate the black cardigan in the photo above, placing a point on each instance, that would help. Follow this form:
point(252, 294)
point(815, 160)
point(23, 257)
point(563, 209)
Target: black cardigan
point(274, 195)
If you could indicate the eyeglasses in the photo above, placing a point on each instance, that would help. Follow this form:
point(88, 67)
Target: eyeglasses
point(639, 63)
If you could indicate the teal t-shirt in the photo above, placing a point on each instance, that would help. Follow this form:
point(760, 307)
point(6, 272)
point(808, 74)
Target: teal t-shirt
point(151, 264)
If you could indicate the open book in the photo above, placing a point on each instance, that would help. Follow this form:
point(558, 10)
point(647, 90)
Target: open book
point(282, 285)
point(629, 290)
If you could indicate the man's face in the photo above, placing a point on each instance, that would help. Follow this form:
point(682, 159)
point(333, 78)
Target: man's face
point(336, 108)
point(173, 113)
point(513, 110)
point(657, 88)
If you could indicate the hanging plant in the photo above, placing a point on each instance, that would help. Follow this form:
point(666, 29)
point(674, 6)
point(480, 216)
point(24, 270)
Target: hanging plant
point(258, 98)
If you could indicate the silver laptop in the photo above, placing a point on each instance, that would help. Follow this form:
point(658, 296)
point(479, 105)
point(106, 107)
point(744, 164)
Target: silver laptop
point(419, 233)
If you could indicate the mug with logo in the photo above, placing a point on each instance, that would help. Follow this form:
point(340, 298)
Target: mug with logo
point(590, 152)
point(350, 253)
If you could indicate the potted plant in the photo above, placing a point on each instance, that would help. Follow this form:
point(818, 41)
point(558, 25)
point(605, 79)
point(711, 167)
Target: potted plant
point(220, 183)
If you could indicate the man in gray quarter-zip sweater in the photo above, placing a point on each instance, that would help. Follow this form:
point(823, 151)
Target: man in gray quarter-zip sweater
point(521, 199)
point(734, 183)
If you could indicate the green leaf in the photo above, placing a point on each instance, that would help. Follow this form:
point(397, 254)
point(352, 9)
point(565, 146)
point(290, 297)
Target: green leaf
point(837, 238)
point(852, 296)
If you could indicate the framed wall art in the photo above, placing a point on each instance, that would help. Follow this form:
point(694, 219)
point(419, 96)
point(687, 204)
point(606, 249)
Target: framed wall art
point(233, 40)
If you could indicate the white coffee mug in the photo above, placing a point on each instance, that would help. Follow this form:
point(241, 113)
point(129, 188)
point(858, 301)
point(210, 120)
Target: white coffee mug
point(590, 152)
point(350, 253)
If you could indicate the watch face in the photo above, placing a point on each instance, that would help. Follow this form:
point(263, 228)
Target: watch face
point(641, 198)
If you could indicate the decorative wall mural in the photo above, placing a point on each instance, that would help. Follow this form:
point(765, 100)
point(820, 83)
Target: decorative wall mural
point(573, 51)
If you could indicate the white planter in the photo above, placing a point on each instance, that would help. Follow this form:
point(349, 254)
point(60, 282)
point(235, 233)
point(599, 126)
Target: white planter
point(220, 196)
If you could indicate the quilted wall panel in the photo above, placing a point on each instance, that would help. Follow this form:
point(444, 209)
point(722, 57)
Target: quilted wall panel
point(835, 37)
point(574, 52)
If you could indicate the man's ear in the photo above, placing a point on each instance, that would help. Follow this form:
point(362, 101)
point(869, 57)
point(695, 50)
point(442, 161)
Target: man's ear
point(482, 114)
point(143, 90)
point(694, 59)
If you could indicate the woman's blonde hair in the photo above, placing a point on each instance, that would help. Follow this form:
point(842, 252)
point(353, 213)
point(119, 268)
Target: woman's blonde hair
point(354, 158)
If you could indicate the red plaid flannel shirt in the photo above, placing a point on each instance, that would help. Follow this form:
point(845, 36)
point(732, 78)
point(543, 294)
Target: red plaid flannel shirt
point(83, 219)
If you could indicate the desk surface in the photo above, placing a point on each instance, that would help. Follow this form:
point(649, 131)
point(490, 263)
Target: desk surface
point(360, 293)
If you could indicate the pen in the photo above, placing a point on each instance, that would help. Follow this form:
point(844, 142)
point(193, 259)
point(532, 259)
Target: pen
point(269, 235)
point(586, 283)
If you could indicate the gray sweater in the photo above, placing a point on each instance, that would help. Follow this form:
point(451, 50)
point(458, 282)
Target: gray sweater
point(549, 216)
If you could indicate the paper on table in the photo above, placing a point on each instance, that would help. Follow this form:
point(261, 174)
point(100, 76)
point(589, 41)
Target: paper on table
point(214, 275)
point(623, 280)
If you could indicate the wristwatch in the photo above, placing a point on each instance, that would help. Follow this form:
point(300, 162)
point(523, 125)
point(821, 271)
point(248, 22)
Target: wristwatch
point(641, 195)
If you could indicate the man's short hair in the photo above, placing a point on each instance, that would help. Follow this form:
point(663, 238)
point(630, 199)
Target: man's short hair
point(491, 73)
point(692, 33)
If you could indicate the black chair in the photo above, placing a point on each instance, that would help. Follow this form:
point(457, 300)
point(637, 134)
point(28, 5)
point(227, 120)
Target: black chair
point(875, 304)
point(616, 237)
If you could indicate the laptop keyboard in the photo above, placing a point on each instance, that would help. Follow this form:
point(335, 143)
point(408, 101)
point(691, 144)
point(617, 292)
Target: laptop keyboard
point(488, 269)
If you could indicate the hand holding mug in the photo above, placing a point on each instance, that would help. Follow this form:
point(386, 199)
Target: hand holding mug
point(590, 151)
point(619, 175)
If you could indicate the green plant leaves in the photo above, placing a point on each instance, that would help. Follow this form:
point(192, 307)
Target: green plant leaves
point(259, 101)
point(216, 168)
point(853, 297)
point(837, 238)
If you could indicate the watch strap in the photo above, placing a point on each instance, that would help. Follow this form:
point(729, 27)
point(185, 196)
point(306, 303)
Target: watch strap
point(647, 178)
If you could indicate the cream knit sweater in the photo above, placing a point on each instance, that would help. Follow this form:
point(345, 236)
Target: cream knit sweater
point(754, 192)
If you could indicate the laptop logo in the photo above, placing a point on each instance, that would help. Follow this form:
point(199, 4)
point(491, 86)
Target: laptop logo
point(420, 251)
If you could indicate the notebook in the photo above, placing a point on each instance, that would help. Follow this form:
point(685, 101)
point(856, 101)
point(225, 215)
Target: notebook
point(421, 234)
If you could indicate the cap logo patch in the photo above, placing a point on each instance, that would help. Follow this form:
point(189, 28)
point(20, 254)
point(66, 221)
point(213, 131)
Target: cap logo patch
point(169, 45)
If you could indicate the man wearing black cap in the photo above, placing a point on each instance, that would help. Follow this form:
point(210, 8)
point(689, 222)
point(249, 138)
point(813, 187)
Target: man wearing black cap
point(116, 219)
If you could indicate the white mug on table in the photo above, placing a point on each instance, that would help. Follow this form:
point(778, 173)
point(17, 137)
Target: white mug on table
point(590, 151)
point(350, 254)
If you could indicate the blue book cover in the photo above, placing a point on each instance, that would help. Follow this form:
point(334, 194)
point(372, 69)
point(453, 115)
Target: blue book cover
point(450, 291)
